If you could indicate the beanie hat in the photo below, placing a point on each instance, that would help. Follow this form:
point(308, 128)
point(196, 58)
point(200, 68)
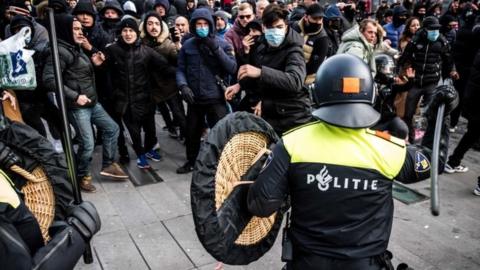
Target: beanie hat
point(84, 7)
point(19, 7)
point(225, 16)
point(20, 21)
point(130, 8)
point(130, 23)
point(164, 3)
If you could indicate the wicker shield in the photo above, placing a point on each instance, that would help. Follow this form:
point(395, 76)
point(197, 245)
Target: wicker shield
point(222, 221)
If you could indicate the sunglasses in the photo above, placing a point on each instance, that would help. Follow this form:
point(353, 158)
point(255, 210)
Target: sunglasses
point(242, 17)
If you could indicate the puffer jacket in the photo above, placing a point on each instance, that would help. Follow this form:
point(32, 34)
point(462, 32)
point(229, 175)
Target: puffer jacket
point(130, 67)
point(285, 101)
point(78, 74)
point(198, 65)
point(354, 43)
point(430, 60)
point(163, 86)
point(315, 48)
point(394, 33)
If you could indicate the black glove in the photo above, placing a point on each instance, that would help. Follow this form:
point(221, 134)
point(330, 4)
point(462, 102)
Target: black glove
point(8, 157)
point(84, 217)
point(211, 43)
point(187, 94)
point(444, 94)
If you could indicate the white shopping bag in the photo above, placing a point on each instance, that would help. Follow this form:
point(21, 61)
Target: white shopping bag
point(17, 69)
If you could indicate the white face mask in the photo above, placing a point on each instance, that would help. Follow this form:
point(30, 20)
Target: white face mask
point(275, 36)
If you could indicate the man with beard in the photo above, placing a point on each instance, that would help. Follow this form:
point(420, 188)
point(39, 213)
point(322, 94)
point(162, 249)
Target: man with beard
point(110, 15)
point(395, 29)
point(315, 45)
point(235, 35)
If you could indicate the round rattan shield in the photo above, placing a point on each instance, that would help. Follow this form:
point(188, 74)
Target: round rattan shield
point(222, 221)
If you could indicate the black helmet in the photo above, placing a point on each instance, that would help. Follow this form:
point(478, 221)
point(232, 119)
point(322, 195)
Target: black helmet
point(344, 92)
point(385, 69)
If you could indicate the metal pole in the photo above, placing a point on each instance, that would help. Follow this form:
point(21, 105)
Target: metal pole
point(67, 142)
point(434, 196)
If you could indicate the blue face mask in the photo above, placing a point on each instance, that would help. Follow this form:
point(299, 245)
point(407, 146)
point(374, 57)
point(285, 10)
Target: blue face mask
point(274, 36)
point(433, 35)
point(202, 31)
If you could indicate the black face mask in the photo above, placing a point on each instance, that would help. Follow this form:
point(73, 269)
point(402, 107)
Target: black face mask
point(398, 21)
point(421, 17)
point(311, 27)
point(335, 24)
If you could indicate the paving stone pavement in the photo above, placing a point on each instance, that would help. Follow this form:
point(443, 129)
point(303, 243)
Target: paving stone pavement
point(151, 226)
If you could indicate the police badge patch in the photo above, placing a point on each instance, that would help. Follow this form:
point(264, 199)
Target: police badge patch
point(421, 162)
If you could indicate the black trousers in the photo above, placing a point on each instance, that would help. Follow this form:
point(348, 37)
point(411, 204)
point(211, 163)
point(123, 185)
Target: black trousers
point(315, 262)
point(33, 112)
point(196, 115)
point(411, 104)
point(135, 123)
point(175, 106)
point(468, 140)
point(460, 85)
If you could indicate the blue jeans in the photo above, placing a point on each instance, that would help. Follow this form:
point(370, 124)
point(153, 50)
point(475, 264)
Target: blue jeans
point(83, 119)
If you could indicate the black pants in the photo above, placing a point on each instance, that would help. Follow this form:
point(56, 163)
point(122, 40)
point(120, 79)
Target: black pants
point(174, 105)
point(468, 140)
point(135, 123)
point(196, 122)
point(460, 85)
point(33, 112)
point(314, 262)
point(411, 104)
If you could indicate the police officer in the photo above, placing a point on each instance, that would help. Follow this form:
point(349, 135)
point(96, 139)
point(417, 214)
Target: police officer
point(339, 173)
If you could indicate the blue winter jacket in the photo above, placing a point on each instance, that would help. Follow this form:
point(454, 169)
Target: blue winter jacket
point(198, 64)
point(394, 33)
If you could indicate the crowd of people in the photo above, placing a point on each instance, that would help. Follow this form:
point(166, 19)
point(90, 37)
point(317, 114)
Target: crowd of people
point(122, 61)
point(312, 71)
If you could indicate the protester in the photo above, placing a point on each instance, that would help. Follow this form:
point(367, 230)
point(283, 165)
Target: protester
point(202, 59)
point(332, 23)
point(81, 96)
point(221, 22)
point(96, 38)
point(411, 27)
point(235, 35)
point(110, 15)
point(395, 28)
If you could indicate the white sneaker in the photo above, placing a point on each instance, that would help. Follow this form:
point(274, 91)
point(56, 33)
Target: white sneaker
point(458, 169)
point(452, 129)
point(476, 191)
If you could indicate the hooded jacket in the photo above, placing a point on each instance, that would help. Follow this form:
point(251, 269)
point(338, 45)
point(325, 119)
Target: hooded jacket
point(395, 29)
point(77, 70)
point(163, 86)
point(97, 37)
point(353, 42)
point(472, 92)
point(285, 101)
point(109, 25)
point(198, 65)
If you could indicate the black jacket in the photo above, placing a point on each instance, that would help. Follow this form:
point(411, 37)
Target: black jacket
point(430, 60)
point(315, 47)
point(130, 73)
point(78, 74)
point(465, 48)
point(285, 101)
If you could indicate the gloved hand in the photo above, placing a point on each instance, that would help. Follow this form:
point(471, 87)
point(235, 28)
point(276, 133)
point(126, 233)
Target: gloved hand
point(8, 157)
point(211, 43)
point(84, 217)
point(444, 94)
point(187, 94)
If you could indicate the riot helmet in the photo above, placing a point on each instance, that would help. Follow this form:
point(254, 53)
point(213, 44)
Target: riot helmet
point(345, 93)
point(385, 69)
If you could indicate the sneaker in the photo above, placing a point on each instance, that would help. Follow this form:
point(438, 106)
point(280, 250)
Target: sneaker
point(86, 184)
point(186, 168)
point(476, 191)
point(452, 129)
point(457, 169)
point(114, 171)
point(142, 162)
point(153, 155)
